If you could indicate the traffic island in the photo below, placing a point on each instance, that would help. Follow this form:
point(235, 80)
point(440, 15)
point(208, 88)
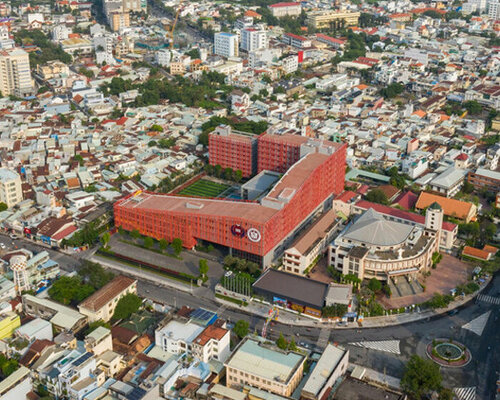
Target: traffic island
point(448, 353)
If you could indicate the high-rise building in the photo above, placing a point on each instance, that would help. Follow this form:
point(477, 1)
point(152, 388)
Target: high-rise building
point(119, 20)
point(494, 9)
point(226, 44)
point(236, 150)
point(279, 152)
point(253, 39)
point(15, 74)
point(10, 187)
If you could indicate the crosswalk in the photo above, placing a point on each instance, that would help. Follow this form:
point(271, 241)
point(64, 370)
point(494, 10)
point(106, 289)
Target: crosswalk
point(389, 346)
point(477, 324)
point(489, 299)
point(465, 393)
point(324, 336)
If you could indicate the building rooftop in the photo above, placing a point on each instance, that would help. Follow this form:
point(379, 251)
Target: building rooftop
point(451, 207)
point(8, 174)
point(107, 293)
point(255, 358)
point(289, 285)
point(449, 177)
point(372, 228)
point(325, 366)
point(210, 332)
point(488, 173)
point(316, 232)
point(65, 317)
point(13, 379)
point(185, 331)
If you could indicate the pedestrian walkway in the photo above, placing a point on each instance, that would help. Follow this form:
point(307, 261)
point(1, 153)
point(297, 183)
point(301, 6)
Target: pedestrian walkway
point(389, 346)
point(488, 299)
point(324, 336)
point(465, 393)
point(477, 324)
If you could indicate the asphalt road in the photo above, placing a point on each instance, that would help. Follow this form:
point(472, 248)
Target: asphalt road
point(481, 372)
point(413, 337)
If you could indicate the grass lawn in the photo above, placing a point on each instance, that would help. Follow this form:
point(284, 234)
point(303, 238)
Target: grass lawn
point(204, 188)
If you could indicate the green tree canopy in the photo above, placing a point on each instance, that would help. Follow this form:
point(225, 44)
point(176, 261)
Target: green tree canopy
point(126, 306)
point(282, 342)
point(70, 290)
point(420, 377)
point(241, 328)
point(3, 206)
point(177, 246)
point(374, 285)
point(203, 267)
point(377, 196)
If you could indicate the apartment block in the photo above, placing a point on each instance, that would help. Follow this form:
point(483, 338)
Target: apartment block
point(10, 187)
point(331, 19)
point(279, 152)
point(253, 39)
point(15, 73)
point(232, 149)
point(226, 44)
point(285, 9)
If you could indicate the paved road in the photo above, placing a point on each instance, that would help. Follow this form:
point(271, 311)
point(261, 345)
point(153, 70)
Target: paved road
point(409, 338)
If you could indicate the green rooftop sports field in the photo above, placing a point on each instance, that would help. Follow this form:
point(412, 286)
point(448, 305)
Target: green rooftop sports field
point(204, 188)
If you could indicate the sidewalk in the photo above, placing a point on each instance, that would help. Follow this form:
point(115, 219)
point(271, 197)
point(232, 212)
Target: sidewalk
point(290, 318)
point(142, 274)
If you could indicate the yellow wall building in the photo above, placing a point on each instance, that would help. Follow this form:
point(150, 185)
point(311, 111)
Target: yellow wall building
point(327, 19)
point(9, 324)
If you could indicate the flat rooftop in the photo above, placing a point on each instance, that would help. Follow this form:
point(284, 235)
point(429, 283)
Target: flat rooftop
point(257, 359)
point(291, 286)
point(284, 191)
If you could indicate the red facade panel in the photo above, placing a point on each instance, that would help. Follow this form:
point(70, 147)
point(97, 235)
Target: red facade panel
point(233, 151)
point(249, 227)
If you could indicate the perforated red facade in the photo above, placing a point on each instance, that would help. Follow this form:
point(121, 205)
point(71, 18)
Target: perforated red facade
point(251, 227)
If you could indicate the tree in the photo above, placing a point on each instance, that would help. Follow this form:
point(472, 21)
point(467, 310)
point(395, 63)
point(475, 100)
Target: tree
point(79, 158)
point(377, 196)
point(228, 173)
point(446, 394)
point(3, 206)
point(281, 342)
point(203, 267)
point(126, 306)
point(238, 175)
point(135, 234)
point(94, 274)
point(392, 90)
point(148, 242)
point(163, 244)
point(374, 285)
point(67, 290)
point(468, 187)
point(292, 345)
point(420, 377)
point(105, 238)
point(473, 107)
point(177, 246)
point(241, 328)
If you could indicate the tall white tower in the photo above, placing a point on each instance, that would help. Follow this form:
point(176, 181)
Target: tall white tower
point(19, 266)
point(434, 221)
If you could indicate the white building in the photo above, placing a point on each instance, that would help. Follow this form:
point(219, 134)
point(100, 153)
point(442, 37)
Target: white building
point(15, 73)
point(285, 9)
point(414, 166)
point(10, 187)
point(494, 9)
point(253, 39)
point(17, 385)
point(60, 32)
point(163, 57)
point(290, 64)
point(226, 44)
point(205, 343)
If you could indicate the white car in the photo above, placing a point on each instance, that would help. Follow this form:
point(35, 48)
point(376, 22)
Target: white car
point(13, 236)
point(2, 245)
